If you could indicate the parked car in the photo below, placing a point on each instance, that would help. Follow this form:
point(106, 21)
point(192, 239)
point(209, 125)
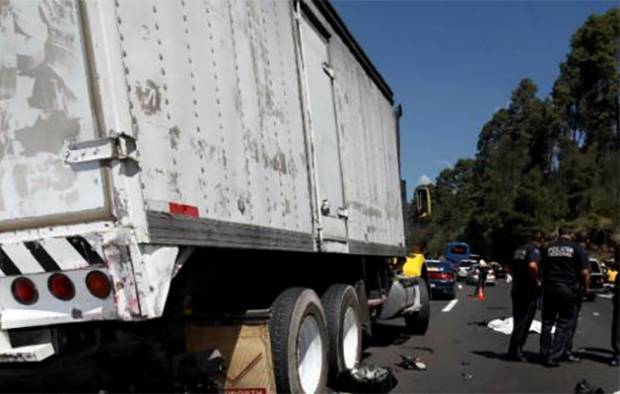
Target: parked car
point(441, 277)
point(472, 276)
point(598, 275)
point(463, 268)
point(498, 269)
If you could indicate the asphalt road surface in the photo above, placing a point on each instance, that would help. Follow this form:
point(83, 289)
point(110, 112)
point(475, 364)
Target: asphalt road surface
point(464, 356)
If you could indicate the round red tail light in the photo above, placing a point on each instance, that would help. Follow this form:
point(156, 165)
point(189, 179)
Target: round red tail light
point(61, 287)
point(98, 284)
point(24, 291)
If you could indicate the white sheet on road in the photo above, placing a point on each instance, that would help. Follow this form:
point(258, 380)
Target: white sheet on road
point(504, 326)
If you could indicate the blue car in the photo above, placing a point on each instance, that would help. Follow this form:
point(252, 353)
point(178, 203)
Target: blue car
point(441, 278)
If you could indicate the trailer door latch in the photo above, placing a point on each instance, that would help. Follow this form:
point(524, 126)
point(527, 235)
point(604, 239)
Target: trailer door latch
point(116, 147)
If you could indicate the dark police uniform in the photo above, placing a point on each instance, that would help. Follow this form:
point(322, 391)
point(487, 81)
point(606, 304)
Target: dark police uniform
point(524, 297)
point(562, 263)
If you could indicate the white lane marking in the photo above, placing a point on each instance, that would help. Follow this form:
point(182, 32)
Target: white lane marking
point(450, 305)
point(608, 296)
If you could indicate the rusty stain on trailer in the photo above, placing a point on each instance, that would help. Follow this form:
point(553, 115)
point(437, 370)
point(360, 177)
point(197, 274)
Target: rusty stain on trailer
point(40, 138)
point(120, 203)
point(278, 162)
point(173, 182)
point(251, 146)
point(223, 201)
point(292, 168)
point(365, 209)
point(40, 114)
point(149, 96)
point(241, 205)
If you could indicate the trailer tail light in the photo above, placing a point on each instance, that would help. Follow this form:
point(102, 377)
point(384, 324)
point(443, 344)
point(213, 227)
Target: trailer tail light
point(61, 287)
point(24, 291)
point(98, 284)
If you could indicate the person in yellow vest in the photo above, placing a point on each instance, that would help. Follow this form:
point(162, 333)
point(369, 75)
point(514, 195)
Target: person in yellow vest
point(414, 263)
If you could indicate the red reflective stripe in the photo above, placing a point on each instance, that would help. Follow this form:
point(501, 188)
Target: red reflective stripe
point(182, 209)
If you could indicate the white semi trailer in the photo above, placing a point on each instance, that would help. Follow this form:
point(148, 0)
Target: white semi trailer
point(164, 162)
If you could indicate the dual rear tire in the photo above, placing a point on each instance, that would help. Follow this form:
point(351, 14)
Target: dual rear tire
point(312, 339)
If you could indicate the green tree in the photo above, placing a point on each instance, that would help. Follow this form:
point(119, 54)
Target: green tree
point(585, 98)
point(540, 162)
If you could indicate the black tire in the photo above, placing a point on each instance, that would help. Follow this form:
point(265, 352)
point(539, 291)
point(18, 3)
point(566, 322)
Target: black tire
point(417, 323)
point(288, 312)
point(336, 301)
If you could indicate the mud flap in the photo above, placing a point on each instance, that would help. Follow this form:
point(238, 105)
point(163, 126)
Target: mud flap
point(402, 297)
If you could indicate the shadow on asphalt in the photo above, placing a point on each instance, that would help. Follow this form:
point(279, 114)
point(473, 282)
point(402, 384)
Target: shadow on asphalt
point(497, 308)
point(530, 357)
point(441, 297)
point(387, 335)
point(422, 348)
point(596, 350)
point(595, 354)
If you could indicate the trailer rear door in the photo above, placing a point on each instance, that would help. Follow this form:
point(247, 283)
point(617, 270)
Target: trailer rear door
point(45, 106)
point(319, 77)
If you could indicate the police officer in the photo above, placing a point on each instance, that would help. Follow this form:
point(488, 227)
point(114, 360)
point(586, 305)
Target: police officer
point(483, 272)
point(568, 350)
point(526, 283)
point(564, 267)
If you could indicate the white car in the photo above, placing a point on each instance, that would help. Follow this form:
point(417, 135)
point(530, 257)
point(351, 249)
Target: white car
point(463, 269)
point(472, 276)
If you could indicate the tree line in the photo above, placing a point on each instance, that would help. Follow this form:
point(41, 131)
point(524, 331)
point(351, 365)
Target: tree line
point(540, 162)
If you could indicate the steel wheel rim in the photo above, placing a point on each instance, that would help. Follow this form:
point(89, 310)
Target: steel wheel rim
point(309, 354)
point(351, 338)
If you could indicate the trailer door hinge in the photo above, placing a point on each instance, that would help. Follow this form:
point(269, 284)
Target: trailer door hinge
point(116, 147)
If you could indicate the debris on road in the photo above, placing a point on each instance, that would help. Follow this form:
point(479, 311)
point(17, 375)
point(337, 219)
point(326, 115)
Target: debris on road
point(411, 362)
point(467, 376)
point(505, 326)
point(366, 379)
point(583, 387)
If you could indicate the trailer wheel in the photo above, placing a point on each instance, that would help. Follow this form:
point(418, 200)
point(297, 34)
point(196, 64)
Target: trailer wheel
point(344, 328)
point(299, 342)
point(417, 323)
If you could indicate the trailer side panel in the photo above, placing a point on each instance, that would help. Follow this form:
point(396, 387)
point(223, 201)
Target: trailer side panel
point(215, 99)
